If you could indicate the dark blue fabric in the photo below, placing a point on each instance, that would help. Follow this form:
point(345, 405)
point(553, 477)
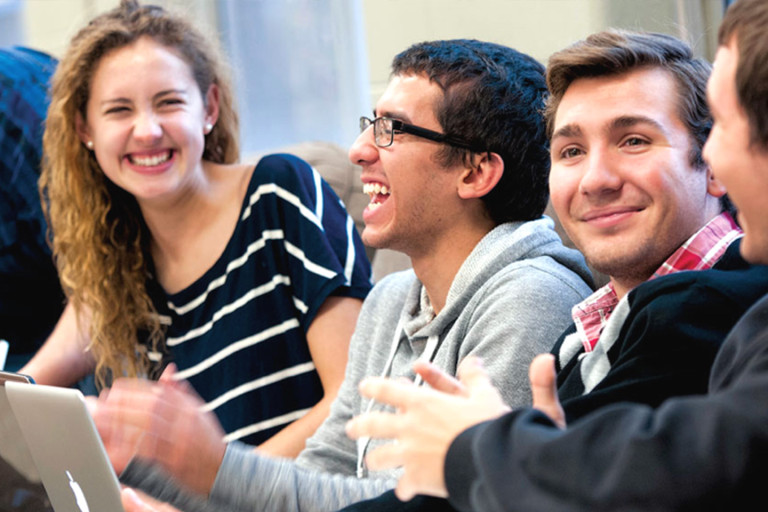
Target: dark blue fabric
point(30, 296)
point(242, 326)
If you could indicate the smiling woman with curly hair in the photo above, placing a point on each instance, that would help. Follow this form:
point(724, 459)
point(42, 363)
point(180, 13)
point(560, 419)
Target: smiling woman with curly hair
point(248, 279)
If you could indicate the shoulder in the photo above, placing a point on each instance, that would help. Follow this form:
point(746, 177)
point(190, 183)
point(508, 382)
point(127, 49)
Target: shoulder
point(540, 278)
point(745, 347)
point(533, 251)
point(698, 288)
point(284, 170)
point(694, 308)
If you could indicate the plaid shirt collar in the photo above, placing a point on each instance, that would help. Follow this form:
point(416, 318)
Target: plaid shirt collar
point(699, 252)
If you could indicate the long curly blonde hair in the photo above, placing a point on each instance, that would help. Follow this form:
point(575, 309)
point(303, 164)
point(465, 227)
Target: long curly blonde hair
point(100, 241)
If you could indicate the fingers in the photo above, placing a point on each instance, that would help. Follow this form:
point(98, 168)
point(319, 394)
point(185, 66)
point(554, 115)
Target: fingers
point(394, 392)
point(386, 456)
point(404, 491)
point(438, 379)
point(91, 403)
point(132, 502)
point(122, 440)
point(544, 388)
point(472, 373)
point(126, 415)
point(542, 371)
point(378, 425)
point(168, 374)
point(170, 379)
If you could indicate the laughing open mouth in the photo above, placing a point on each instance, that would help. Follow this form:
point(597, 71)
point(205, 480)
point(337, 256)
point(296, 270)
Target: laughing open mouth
point(377, 192)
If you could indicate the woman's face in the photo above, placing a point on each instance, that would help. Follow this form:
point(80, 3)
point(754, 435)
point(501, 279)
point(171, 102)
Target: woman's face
point(147, 119)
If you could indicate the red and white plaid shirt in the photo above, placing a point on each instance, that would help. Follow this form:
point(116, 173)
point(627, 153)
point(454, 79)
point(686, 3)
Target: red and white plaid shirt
point(699, 252)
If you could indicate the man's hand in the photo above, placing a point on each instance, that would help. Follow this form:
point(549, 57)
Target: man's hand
point(161, 422)
point(544, 388)
point(426, 422)
point(133, 502)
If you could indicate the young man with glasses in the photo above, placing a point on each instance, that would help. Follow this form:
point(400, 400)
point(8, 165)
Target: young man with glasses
point(456, 164)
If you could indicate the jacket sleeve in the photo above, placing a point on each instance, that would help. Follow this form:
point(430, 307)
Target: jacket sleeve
point(247, 481)
point(696, 453)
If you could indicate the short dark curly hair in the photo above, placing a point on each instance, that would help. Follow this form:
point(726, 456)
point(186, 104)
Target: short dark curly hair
point(493, 97)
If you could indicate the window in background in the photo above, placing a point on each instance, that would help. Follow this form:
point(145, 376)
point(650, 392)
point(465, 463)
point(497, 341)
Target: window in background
point(300, 69)
point(11, 32)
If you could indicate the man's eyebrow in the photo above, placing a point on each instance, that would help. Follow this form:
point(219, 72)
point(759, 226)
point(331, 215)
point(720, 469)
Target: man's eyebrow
point(630, 121)
point(567, 131)
point(394, 115)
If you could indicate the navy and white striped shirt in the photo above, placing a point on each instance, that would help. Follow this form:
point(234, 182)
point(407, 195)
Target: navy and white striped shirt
point(238, 334)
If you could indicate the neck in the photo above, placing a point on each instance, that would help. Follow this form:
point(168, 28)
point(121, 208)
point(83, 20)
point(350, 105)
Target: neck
point(170, 222)
point(437, 268)
point(624, 286)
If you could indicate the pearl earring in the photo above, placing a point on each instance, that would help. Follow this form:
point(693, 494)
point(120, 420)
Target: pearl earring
point(208, 128)
point(89, 145)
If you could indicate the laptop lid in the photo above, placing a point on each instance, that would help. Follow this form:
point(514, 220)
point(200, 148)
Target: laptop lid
point(20, 485)
point(66, 449)
point(3, 353)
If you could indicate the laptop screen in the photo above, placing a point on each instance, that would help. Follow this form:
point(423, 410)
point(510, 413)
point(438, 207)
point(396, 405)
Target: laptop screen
point(21, 488)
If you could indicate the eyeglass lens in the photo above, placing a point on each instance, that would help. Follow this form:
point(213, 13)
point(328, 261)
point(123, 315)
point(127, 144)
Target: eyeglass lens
point(382, 130)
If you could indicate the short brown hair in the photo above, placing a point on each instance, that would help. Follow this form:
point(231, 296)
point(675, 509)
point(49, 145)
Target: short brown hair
point(747, 20)
point(614, 52)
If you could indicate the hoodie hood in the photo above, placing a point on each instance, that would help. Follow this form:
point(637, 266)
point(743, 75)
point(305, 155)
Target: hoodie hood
point(507, 244)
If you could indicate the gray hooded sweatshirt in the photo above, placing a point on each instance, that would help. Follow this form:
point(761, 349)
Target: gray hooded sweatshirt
point(510, 300)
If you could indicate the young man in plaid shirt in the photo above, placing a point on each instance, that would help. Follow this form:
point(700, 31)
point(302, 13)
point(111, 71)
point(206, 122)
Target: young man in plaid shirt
point(627, 120)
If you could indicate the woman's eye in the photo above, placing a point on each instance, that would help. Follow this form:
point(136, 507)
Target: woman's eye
point(171, 102)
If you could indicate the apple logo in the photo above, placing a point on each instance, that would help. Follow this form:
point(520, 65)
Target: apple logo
point(79, 496)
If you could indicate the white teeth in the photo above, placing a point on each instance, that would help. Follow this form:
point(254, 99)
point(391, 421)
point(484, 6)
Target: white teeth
point(374, 189)
point(151, 161)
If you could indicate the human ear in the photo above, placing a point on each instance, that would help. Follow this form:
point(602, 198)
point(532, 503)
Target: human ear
point(481, 176)
point(715, 187)
point(83, 133)
point(212, 104)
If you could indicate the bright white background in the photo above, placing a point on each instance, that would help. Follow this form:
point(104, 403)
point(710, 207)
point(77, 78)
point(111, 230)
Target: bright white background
point(307, 69)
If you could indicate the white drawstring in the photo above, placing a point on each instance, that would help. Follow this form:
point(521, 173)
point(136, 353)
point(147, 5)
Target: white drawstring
point(427, 355)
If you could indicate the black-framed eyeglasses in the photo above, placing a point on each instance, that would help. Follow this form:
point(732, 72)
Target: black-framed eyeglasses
point(384, 129)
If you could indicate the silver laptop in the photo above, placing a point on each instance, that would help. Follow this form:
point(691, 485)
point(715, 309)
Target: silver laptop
point(58, 446)
point(20, 485)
